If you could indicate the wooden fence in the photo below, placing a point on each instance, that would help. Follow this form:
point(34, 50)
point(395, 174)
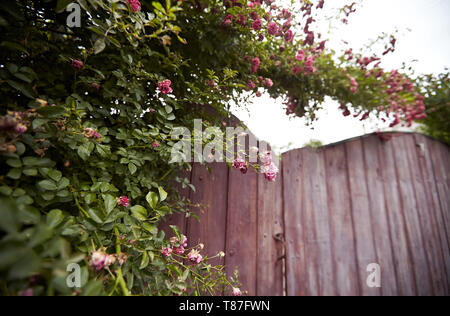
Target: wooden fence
point(331, 213)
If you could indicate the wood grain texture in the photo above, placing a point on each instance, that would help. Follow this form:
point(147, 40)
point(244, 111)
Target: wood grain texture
point(241, 242)
point(362, 222)
point(211, 208)
point(270, 238)
point(379, 216)
point(403, 263)
point(411, 217)
point(341, 222)
point(294, 207)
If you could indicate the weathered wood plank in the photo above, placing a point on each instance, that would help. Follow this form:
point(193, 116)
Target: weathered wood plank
point(270, 237)
point(409, 208)
point(293, 210)
point(440, 174)
point(341, 222)
point(380, 221)
point(211, 200)
point(433, 228)
point(361, 213)
point(241, 243)
point(402, 258)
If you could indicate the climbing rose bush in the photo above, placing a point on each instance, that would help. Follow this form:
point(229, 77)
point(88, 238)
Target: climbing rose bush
point(87, 117)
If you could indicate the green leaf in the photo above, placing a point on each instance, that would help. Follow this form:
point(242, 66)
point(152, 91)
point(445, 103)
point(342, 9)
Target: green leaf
point(48, 185)
point(14, 173)
point(139, 212)
point(19, 192)
point(10, 254)
point(24, 89)
point(30, 161)
point(93, 288)
point(14, 46)
point(20, 148)
point(99, 45)
point(38, 122)
point(54, 218)
point(96, 215)
point(29, 215)
point(55, 175)
point(63, 183)
point(15, 163)
point(158, 6)
point(83, 153)
point(28, 266)
point(31, 172)
point(63, 193)
point(145, 260)
point(25, 199)
point(5, 190)
point(61, 5)
point(162, 194)
point(132, 168)
point(52, 111)
point(43, 233)
point(110, 203)
point(89, 198)
point(152, 199)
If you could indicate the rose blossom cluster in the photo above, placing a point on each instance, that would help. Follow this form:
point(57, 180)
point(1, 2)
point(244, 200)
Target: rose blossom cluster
point(164, 86)
point(400, 97)
point(277, 22)
point(179, 247)
point(77, 64)
point(92, 133)
point(14, 123)
point(353, 83)
point(268, 167)
point(176, 246)
point(240, 165)
point(195, 257)
point(135, 5)
point(100, 259)
point(236, 291)
point(123, 201)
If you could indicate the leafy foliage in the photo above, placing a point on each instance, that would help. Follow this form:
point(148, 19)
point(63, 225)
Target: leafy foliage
point(437, 99)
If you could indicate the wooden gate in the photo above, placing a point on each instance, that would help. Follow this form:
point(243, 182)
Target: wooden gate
point(331, 213)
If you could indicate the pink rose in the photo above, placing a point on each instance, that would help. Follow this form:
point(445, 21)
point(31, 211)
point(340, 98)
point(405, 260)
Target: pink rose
point(167, 252)
point(272, 28)
point(255, 64)
point(236, 292)
point(135, 5)
point(98, 259)
point(123, 201)
point(256, 25)
point(238, 163)
point(195, 257)
point(269, 82)
point(164, 86)
point(300, 55)
point(77, 64)
point(288, 36)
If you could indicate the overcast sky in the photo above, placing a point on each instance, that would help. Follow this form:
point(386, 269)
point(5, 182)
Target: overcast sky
point(423, 35)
